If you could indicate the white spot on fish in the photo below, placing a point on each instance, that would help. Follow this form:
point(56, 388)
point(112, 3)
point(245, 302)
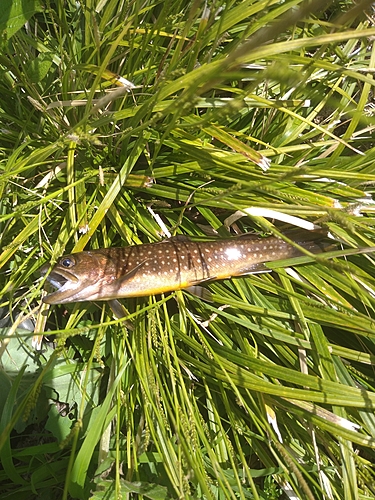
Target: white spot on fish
point(233, 253)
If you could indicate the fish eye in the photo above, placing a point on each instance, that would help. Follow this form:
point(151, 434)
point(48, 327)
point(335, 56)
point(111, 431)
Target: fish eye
point(67, 262)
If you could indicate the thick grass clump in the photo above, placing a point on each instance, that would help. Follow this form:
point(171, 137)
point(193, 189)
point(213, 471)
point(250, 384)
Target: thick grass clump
point(122, 122)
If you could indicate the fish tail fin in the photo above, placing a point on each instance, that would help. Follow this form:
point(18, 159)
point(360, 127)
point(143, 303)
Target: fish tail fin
point(315, 241)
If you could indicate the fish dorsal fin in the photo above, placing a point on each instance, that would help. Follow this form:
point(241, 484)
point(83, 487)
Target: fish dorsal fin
point(177, 238)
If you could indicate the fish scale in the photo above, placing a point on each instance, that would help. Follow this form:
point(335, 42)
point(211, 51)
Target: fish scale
point(154, 268)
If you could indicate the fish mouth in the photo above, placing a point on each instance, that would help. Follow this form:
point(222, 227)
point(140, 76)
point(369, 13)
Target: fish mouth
point(66, 285)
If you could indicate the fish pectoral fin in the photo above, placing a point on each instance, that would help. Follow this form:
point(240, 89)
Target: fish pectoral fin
point(120, 312)
point(117, 308)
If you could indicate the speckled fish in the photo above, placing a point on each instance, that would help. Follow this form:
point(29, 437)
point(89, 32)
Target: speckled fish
point(173, 264)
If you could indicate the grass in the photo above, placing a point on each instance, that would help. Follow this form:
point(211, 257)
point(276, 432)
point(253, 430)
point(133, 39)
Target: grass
point(269, 388)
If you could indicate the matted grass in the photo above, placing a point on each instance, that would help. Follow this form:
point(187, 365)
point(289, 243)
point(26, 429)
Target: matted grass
point(113, 113)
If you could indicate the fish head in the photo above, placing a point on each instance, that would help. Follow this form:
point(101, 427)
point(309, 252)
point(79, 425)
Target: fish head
point(80, 277)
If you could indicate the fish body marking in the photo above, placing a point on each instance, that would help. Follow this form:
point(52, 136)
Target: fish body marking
point(173, 264)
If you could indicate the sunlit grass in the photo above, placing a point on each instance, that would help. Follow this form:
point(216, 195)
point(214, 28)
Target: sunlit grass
point(269, 387)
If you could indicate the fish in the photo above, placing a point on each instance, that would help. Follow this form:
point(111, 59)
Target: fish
point(173, 264)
